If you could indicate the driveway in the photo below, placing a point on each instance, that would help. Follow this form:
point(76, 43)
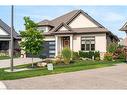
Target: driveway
point(114, 77)
point(17, 61)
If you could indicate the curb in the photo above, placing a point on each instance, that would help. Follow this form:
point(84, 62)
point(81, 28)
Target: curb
point(2, 86)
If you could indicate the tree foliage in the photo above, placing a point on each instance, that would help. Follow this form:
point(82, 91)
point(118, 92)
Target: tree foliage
point(32, 38)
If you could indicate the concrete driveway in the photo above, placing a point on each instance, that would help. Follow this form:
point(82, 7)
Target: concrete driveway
point(17, 61)
point(114, 77)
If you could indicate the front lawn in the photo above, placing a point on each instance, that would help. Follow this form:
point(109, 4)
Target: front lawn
point(7, 57)
point(76, 66)
point(4, 57)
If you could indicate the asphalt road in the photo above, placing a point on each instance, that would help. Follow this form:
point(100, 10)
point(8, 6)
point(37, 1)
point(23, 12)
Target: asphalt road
point(114, 77)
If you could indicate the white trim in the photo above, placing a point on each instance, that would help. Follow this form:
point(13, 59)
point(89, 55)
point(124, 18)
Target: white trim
point(5, 39)
point(49, 39)
point(71, 42)
point(64, 35)
point(56, 45)
point(46, 29)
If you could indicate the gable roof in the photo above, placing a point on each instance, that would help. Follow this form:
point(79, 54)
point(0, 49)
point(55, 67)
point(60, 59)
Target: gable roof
point(7, 28)
point(124, 28)
point(63, 24)
point(67, 18)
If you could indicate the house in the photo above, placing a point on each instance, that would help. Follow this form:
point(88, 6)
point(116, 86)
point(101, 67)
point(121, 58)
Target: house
point(5, 38)
point(123, 42)
point(124, 28)
point(76, 30)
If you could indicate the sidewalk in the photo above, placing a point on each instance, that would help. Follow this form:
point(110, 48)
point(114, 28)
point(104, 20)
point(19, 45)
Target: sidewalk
point(17, 61)
point(2, 86)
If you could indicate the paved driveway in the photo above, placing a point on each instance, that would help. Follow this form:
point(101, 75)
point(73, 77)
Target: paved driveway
point(17, 61)
point(114, 77)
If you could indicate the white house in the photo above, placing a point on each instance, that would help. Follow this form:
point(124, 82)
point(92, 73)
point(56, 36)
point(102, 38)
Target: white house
point(5, 38)
point(76, 30)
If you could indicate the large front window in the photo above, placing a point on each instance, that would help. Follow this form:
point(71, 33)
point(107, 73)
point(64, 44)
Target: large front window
point(88, 43)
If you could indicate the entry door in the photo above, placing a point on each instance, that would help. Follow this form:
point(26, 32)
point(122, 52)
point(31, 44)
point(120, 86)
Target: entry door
point(66, 42)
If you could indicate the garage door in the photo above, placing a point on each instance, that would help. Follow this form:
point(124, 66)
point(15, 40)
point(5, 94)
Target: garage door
point(48, 50)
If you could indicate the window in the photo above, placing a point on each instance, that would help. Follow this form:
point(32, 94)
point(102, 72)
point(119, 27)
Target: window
point(51, 55)
point(42, 29)
point(51, 43)
point(51, 51)
point(51, 47)
point(88, 43)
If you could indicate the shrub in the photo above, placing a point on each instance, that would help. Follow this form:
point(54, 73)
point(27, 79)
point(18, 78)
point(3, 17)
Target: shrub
point(108, 57)
point(97, 58)
point(97, 55)
point(75, 56)
point(84, 54)
point(66, 54)
point(112, 47)
point(122, 56)
point(89, 54)
point(120, 53)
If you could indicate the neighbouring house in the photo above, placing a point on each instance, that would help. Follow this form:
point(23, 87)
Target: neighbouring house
point(123, 42)
point(124, 28)
point(76, 30)
point(5, 38)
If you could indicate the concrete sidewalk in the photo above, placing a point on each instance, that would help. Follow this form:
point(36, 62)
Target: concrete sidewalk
point(2, 86)
point(17, 61)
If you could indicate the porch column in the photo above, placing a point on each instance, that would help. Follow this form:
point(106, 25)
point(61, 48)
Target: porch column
point(9, 50)
point(71, 42)
point(56, 45)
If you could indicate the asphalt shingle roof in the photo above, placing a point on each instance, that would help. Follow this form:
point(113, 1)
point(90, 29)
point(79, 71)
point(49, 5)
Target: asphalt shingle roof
point(7, 28)
point(67, 18)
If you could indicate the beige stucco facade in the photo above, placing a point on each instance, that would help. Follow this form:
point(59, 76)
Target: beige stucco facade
point(75, 39)
point(75, 42)
point(100, 42)
point(81, 22)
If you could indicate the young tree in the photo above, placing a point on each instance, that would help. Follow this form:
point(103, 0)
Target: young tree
point(32, 38)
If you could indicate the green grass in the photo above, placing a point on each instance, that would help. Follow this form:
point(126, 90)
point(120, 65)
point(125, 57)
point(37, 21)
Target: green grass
point(76, 66)
point(4, 57)
point(7, 57)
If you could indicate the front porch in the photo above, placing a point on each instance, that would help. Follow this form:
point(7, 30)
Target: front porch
point(62, 41)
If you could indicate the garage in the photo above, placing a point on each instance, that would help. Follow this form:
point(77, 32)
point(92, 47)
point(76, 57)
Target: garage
point(48, 50)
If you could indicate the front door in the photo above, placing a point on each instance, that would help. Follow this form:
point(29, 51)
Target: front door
point(66, 41)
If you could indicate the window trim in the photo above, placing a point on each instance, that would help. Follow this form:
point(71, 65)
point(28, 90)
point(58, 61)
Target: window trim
point(90, 43)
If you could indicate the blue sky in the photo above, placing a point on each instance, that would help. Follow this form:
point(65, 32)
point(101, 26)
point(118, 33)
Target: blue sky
point(112, 17)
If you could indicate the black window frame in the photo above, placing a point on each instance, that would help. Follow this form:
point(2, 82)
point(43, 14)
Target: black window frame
point(85, 39)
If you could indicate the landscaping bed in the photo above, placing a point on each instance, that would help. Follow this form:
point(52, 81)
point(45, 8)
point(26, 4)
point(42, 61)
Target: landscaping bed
point(58, 68)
